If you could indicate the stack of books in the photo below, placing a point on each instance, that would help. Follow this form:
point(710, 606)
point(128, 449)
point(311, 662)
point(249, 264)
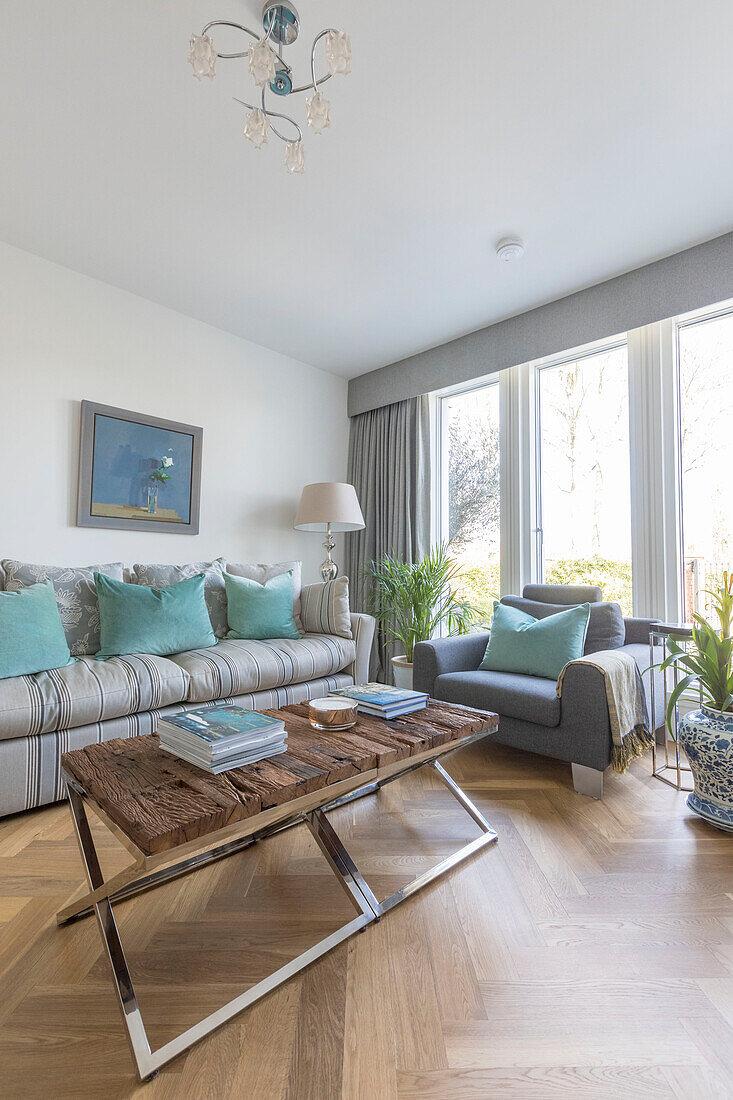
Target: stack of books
point(383, 701)
point(219, 738)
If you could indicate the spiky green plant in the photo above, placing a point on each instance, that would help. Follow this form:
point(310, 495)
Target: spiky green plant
point(723, 602)
point(708, 663)
point(410, 601)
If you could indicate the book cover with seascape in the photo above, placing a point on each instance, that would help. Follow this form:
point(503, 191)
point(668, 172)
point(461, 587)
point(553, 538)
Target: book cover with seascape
point(222, 723)
point(380, 695)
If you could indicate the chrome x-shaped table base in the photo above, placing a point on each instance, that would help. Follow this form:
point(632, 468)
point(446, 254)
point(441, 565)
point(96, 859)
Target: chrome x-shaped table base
point(367, 907)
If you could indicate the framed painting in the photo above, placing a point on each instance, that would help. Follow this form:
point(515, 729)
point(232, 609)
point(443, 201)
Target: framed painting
point(137, 472)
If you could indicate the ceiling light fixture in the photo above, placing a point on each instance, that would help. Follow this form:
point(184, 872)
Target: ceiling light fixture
point(509, 249)
point(270, 71)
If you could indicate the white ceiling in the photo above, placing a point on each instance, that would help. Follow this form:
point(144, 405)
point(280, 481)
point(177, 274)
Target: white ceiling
point(600, 132)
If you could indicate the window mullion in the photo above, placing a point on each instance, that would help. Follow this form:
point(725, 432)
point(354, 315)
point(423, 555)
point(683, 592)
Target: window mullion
point(654, 510)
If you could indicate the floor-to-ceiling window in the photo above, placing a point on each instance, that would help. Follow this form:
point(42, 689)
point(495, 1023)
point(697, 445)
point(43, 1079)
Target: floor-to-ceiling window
point(705, 374)
point(583, 486)
point(569, 471)
point(470, 490)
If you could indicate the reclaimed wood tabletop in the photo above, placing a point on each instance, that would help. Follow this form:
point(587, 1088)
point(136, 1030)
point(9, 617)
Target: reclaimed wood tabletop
point(160, 801)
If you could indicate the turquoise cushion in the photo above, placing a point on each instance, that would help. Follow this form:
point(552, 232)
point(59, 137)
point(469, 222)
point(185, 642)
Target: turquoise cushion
point(260, 610)
point(32, 637)
point(138, 619)
point(535, 647)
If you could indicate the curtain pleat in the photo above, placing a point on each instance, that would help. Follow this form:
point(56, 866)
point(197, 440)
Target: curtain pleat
point(389, 466)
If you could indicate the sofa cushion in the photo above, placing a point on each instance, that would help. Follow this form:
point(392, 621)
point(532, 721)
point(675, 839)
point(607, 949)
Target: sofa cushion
point(236, 667)
point(88, 691)
point(76, 596)
point(606, 627)
point(324, 608)
point(32, 638)
point(260, 611)
point(138, 619)
point(160, 576)
point(262, 573)
point(527, 698)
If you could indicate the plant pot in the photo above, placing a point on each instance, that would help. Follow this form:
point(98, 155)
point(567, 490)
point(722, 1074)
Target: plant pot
point(706, 735)
point(402, 672)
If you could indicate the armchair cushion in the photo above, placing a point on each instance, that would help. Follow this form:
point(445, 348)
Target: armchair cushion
point(535, 647)
point(528, 698)
point(563, 593)
point(606, 626)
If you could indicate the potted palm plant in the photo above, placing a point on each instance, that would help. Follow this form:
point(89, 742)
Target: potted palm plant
point(411, 601)
point(706, 735)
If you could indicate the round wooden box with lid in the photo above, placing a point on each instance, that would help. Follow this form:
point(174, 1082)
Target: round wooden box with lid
point(334, 713)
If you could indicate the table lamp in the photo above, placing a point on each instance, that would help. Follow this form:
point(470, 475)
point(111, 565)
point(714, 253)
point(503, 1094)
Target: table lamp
point(329, 506)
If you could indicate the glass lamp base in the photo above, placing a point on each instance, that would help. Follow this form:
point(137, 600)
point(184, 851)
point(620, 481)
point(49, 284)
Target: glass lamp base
point(329, 570)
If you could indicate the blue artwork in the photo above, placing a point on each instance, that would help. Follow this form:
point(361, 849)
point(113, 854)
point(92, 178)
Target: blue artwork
point(141, 472)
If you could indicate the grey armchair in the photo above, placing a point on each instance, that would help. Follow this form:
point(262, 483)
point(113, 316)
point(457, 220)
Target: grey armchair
point(574, 728)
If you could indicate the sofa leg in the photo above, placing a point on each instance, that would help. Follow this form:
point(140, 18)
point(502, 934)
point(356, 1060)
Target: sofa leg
point(588, 781)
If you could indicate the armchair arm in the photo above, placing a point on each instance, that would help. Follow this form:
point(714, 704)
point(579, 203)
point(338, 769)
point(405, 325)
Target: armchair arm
point(585, 726)
point(637, 630)
point(362, 628)
point(432, 659)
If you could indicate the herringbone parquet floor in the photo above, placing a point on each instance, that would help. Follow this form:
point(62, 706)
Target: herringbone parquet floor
point(588, 954)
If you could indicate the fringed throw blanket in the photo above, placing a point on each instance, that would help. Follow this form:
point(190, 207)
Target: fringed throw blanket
point(626, 703)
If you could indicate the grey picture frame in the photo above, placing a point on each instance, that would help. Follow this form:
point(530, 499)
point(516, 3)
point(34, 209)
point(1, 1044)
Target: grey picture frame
point(90, 410)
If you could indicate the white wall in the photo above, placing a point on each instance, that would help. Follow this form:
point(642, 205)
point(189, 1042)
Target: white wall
point(270, 423)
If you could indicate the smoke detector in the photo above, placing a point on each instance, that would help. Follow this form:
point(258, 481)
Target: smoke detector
point(509, 249)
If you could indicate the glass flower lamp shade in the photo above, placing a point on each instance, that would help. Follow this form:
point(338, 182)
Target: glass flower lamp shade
point(319, 112)
point(256, 128)
point(262, 62)
point(294, 157)
point(202, 56)
point(338, 53)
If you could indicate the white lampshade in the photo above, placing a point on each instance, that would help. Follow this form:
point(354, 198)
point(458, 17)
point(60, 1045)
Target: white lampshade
point(329, 502)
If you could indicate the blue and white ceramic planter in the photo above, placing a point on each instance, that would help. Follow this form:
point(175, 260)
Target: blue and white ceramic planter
point(706, 735)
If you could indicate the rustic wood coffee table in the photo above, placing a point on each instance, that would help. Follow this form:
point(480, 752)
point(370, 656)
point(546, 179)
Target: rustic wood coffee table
point(174, 817)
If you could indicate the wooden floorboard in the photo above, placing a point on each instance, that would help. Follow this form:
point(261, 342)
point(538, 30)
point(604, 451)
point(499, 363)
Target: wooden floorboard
point(588, 954)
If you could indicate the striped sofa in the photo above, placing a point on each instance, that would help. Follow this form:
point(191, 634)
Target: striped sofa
point(46, 714)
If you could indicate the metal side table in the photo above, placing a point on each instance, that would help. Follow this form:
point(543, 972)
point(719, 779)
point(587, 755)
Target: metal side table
point(667, 761)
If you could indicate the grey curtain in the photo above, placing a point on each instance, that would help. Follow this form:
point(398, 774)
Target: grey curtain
point(389, 465)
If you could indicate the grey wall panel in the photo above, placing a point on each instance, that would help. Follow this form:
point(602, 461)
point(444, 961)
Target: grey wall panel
point(692, 279)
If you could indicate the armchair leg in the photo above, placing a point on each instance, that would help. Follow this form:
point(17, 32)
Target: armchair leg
point(588, 781)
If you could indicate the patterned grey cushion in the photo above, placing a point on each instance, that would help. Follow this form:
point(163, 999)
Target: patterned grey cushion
point(262, 573)
point(88, 691)
point(235, 667)
point(324, 608)
point(76, 596)
point(160, 576)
